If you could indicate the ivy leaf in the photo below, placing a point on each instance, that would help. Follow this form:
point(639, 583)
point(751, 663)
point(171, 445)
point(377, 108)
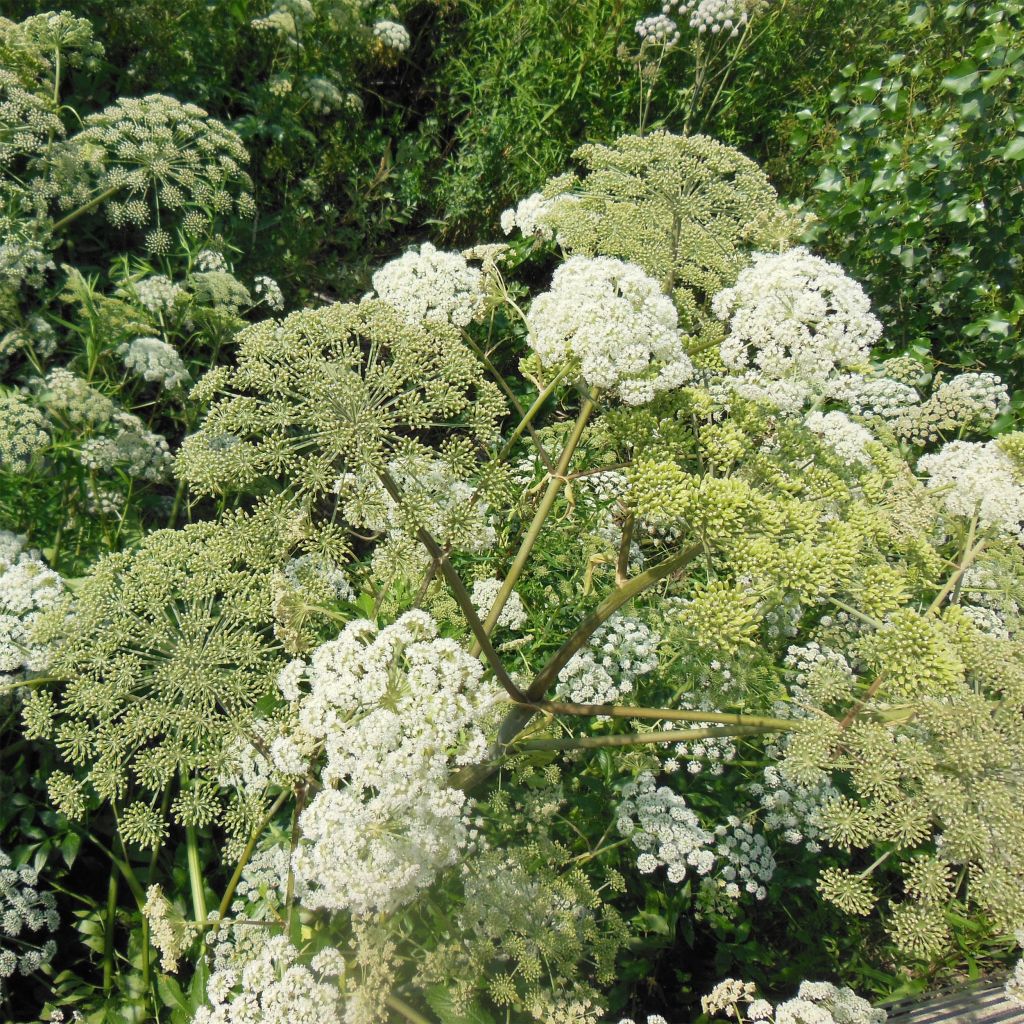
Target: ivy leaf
point(829, 181)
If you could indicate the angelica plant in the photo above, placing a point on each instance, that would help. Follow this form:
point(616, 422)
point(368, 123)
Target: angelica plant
point(27, 914)
point(455, 682)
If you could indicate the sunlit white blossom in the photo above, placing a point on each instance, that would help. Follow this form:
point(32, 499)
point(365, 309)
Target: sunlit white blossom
point(794, 315)
point(617, 322)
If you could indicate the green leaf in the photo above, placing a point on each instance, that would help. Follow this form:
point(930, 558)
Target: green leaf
point(962, 78)
point(70, 846)
point(648, 921)
point(829, 181)
point(918, 16)
point(1015, 150)
point(170, 993)
point(439, 999)
point(862, 114)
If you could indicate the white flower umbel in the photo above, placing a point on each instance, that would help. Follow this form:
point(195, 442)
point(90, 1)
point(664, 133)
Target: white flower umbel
point(448, 507)
point(210, 259)
point(975, 478)
point(432, 285)
point(846, 438)
point(27, 914)
point(621, 651)
point(616, 322)
point(369, 853)
point(658, 29)
point(392, 35)
point(747, 861)
point(158, 293)
point(711, 753)
point(268, 291)
point(513, 614)
point(131, 448)
point(817, 1002)
point(715, 16)
point(275, 988)
point(794, 315)
point(27, 589)
point(873, 397)
point(395, 709)
point(529, 217)
point(664, 830)
point(154, 360)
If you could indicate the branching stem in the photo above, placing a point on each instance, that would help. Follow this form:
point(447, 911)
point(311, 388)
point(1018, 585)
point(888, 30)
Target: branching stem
point(543, 509)
point(229, 892)
point(461, 595)
point(668, 714)
point(635, 739)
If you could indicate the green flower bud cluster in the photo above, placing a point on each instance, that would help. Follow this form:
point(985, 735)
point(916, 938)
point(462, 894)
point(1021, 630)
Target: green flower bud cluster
point(24, 431)
point(687, 210)
point(332, 391)
point(165, 652)
point(913, 655)
point(155, 155)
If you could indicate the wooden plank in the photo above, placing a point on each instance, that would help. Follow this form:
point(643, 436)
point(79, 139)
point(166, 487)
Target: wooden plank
point(982, 1003)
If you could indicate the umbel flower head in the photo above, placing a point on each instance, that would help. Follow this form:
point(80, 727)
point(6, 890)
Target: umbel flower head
point(795, 315)
point(24, 432)
point(330, 391)
point(432, 285)
point(685, 209)
point(395, 708)
point(157, 155)
point(616, 322)
point(166, 650)
point(27, 913)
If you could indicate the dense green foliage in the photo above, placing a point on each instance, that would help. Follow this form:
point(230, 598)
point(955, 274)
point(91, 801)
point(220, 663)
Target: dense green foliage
point(920, 188)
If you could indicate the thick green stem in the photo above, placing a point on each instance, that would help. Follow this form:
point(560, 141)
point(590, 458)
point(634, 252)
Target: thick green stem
point(172, 519)
point(668, 714)
point(516, 720)
point(461, 595)
point(971, 552)
point(603, 612)
point(402, 1007)
point(109, 924)
point(195, 874)
point(543, 509)
point(635, 739)
point(26, 684)
point(510, 395)
point(229, 892)
point(85, 208)
point(531, 413)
